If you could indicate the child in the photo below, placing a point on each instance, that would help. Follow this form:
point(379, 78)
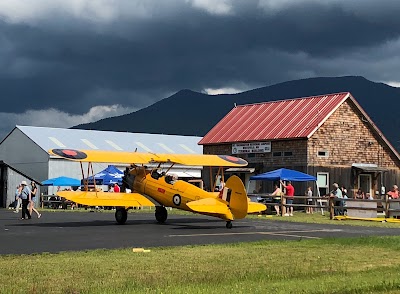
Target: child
point(309, 200)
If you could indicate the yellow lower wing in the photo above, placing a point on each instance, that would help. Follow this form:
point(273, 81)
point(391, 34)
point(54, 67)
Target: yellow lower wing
point(106, 198)
point(209, 205)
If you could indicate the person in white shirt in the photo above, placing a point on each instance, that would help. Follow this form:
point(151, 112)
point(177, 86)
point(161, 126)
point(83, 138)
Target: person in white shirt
point(309, 200)
point(17, 199)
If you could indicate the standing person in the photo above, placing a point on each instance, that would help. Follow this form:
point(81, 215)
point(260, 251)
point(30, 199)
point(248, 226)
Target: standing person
point(290, 196)
point(309, 200)
point(33, 200)
point(221, 185)
point(276, 198)
point(26, 197)
point(221, 188)
point(338, 201)
point(17, 199)
point(116, 188)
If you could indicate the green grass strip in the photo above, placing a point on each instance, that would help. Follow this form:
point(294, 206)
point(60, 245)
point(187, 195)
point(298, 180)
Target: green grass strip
point(351, 265)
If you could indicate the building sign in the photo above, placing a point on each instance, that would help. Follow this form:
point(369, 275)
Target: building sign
point(251, 147)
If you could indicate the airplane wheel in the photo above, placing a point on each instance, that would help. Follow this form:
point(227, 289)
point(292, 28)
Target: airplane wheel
point(161, 214)
point(121, 215)
point(229, 225)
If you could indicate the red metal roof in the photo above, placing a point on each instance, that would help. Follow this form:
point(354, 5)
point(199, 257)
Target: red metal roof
point(291, 118)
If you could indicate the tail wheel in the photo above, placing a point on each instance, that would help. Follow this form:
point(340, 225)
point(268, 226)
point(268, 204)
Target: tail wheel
point(121, 215)
point(229, 225)
point(161, 214)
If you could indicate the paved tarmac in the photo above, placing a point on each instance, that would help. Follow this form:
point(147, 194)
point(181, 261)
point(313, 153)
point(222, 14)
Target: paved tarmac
point(71, 231)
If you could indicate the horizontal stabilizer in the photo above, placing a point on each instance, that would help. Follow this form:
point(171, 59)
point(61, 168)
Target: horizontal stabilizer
point(106, 198)
point(209, 205)
point(254, 207)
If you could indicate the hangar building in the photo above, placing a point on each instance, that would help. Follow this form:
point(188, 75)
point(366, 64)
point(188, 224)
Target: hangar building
point(25, 148)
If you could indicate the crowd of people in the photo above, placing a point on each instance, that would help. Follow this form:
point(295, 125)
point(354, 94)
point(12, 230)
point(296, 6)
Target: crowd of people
point(25, 199)
point(339, 192)
point(341, 195)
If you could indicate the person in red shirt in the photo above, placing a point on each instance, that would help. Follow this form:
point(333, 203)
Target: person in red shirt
point(394, 193)
point(290, 196)
point(116, 188)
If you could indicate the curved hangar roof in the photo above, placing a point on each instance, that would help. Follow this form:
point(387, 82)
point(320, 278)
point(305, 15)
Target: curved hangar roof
point(50, 138)
point(284, 119)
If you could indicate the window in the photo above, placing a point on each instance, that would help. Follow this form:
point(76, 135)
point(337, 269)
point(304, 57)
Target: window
point(288, 153)
point(277, 153)
point(323, 153)
point(323, 183)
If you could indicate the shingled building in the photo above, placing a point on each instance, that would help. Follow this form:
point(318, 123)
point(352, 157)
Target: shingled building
point(328, 136)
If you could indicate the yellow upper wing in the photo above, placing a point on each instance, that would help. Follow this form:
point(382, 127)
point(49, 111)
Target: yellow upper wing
point(143, 158)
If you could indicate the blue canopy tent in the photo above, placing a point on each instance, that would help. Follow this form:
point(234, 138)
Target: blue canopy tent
point(110, 175)
point(285, 174)
point(62, 181)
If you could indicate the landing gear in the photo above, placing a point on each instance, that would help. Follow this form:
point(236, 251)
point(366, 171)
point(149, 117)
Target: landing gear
point(161, 214)
point(121, 215)
point(229, 224)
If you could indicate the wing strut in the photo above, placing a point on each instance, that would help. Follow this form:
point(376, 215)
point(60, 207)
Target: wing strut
point(86, 180)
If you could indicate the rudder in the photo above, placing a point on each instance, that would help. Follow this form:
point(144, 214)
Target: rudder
point(237, 197)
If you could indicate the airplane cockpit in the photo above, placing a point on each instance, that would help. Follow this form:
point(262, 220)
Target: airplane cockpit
point(171, 179)
point(155, 174)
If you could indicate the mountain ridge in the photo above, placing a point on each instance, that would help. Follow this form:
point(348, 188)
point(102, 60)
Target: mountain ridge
point(192, 113)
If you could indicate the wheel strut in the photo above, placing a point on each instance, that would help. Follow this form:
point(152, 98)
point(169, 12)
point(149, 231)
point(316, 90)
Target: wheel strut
point(229, 224)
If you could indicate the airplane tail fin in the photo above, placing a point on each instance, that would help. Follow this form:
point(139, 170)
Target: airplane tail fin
point(236, 196)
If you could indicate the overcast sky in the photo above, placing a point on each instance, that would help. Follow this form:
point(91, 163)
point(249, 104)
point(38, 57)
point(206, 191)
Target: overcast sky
point(63, 63)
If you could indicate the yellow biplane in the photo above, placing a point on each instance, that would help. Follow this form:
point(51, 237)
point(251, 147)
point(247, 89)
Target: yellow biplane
point(152, 187)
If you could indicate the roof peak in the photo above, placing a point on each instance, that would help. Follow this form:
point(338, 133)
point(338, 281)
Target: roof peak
point(297, 98)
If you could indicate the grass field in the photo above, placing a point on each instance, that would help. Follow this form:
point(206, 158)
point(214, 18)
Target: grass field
point(357, 265)
point(362, 265)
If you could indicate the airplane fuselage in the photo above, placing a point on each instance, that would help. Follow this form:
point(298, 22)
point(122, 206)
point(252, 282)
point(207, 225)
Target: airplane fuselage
point(168, 193)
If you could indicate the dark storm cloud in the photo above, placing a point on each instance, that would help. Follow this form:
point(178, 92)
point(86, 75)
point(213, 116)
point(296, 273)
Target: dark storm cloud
point(72, 62)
